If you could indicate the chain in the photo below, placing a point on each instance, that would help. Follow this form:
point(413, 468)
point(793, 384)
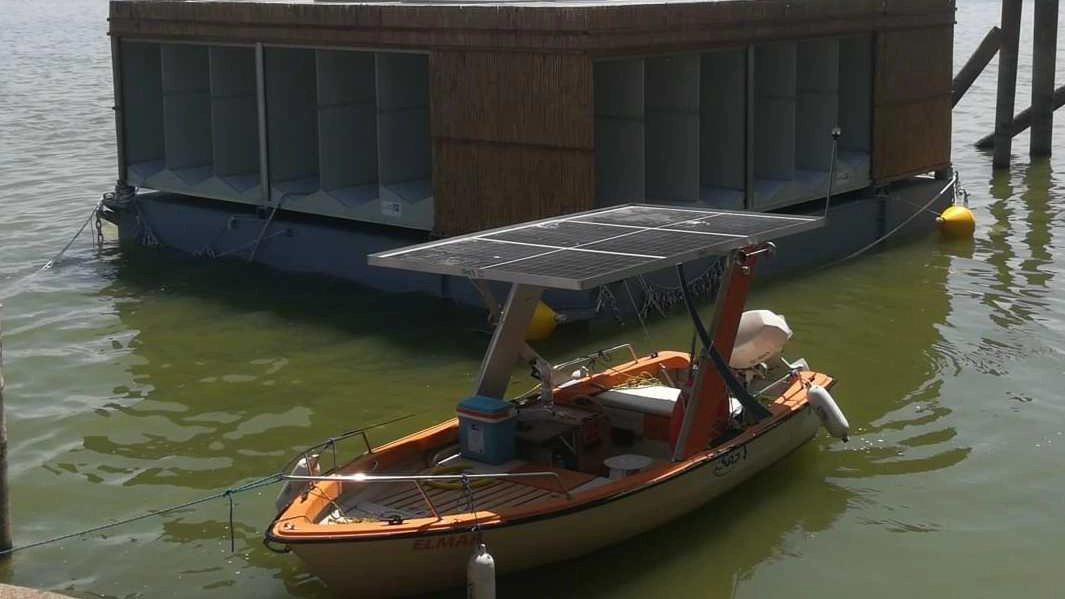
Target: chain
point(470, 507)
point(607, 300)
point(660, 298)
point(961, 195)
point(147, 236)
point(98, 224)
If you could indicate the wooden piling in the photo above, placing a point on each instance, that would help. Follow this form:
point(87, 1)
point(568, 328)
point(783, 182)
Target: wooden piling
point(1007, 81)
point(1044, 55)
point(976, 64)
point(5, 505)
point(1023, 120)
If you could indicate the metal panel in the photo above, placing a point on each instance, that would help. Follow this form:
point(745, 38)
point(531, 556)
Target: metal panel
point(585, 250)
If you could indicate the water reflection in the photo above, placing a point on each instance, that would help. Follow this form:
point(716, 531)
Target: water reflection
point(1038, 181)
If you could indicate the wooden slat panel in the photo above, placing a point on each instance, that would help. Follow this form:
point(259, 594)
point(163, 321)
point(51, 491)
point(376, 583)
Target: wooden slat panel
point(914, 64)
point(513, 137)
point(911, 138)
point(912, 102)
point(479, 185)
point(525, 496)
point(532, 99)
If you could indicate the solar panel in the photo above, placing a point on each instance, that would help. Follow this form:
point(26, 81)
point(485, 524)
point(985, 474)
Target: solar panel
point(582, 251)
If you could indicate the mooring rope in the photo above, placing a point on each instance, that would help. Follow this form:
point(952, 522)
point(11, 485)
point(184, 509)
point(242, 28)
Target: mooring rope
point(226, 494)
point(48, 265)
point(93, 215)
point(954, 183)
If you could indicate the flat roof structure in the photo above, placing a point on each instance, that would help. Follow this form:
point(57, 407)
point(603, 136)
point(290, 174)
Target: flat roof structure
point(595, 26)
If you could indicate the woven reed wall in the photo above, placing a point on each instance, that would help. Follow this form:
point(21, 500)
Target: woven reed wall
point(912, 102)
point(513, 137)
point(603, 28)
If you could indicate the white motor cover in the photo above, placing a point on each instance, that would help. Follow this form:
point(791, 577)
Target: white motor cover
point(761, 336)
point(828, 411)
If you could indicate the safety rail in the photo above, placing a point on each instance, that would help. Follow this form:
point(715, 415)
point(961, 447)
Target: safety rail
point(598, 355)
point(331, 443)
point(418, 479)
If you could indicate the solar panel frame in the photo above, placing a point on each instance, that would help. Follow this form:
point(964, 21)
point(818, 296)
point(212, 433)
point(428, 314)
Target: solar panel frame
point(585, 250)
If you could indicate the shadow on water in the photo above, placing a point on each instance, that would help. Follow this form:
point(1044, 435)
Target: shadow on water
point(231, 286)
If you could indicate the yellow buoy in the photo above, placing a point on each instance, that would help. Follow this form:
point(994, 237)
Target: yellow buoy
point(543, 323)
point(957, 222)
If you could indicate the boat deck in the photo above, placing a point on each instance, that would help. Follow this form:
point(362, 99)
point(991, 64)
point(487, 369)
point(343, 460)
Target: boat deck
point(405, 500)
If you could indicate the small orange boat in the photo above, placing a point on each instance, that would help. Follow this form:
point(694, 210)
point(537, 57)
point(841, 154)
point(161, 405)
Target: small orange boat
point(602, 451)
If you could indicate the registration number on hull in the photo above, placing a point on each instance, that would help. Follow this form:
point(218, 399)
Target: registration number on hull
point(726, 463)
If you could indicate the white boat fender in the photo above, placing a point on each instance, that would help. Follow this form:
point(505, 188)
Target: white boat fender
point(307, 466)
point(828, 411)
point(481, 574)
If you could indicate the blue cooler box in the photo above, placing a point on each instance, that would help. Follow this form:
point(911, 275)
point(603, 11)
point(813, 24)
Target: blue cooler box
point(486, 429)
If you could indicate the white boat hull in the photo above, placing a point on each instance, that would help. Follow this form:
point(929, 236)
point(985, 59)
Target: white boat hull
point(420, 563)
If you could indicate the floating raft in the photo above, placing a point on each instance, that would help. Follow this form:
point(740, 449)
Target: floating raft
point(450, 117)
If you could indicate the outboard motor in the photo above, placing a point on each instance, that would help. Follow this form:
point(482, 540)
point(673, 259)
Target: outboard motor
point(760, 337)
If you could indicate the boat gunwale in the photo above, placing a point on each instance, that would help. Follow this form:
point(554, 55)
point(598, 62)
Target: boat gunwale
point(787, 405)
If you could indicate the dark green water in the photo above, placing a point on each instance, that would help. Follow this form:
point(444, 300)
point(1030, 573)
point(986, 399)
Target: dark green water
point(137, 381)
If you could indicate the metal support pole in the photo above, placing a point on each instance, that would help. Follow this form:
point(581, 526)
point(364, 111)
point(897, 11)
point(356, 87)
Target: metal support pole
point(692, 395)
point(508, 341)
point(264, 150)
point(976, 65)
point(5, 505)
point(748, 145)
point(119, 106)
point(1007, 81)
point(1044, 55)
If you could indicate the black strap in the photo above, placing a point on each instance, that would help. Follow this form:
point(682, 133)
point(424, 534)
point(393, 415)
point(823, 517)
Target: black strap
point(749, 403)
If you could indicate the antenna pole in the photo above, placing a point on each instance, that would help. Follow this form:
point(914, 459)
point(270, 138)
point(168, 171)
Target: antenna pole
point(836, 132)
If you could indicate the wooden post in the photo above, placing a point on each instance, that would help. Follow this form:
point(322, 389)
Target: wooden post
point(1007, 81)
point(5, 505)
point(1044, 54)
point(1023, 120)
point(976, 64)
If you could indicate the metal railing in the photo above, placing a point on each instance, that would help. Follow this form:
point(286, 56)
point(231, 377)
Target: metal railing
point(330, 444)
point(596, 356)
point(418, 479)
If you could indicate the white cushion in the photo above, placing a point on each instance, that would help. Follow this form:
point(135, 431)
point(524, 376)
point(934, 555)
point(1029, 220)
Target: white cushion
point(657, 400)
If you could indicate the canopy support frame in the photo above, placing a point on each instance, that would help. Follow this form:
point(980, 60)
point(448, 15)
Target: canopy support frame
point(508, 341)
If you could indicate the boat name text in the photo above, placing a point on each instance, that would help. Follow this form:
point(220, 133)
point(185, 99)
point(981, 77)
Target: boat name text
point(446, 542)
